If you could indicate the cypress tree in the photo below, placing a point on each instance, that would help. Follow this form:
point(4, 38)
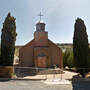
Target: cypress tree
point(8, 39)
point(80, 47)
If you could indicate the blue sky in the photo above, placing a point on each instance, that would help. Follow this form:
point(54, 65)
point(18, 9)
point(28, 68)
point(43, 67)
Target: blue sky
point(59, 16)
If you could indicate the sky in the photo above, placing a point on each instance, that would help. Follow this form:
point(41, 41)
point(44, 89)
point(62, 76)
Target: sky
point(59, 17)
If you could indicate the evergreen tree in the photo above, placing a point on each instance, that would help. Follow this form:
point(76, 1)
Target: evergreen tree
point(8, 39)
point(80, 47)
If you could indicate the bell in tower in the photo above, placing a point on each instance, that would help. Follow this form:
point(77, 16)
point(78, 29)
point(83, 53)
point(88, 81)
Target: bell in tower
point(40, 27)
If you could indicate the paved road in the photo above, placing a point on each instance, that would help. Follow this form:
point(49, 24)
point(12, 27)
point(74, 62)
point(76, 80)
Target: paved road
point(31, 85)
point(39, 85)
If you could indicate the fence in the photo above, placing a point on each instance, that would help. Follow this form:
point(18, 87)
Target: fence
point(38, 73)
point(44, 73)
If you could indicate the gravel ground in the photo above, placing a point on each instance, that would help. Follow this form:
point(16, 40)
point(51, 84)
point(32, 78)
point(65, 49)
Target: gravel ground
point(31, 85)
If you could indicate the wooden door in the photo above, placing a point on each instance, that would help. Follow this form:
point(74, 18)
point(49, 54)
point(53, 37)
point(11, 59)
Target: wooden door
point(42, 62)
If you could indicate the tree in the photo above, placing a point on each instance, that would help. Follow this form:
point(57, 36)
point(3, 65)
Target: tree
point(68, 58)
point(80, 47)
point(66, 54)
point(89, 59)
point(8, 39)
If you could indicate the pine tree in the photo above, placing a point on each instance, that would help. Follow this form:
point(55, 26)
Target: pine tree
point(80, 47)
point(8, 39)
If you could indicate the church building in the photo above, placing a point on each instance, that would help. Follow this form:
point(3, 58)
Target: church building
point(40, 52)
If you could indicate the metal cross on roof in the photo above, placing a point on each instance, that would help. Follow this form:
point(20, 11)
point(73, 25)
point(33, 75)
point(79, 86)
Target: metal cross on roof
point(40, 15)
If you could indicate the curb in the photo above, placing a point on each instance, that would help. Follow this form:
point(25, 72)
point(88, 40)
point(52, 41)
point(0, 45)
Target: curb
point(8, 79)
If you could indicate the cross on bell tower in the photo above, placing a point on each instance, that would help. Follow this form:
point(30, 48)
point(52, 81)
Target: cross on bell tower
point(40, 15)
point(40, 26)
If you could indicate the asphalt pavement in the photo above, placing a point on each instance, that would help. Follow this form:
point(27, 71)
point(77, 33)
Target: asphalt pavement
point(31, 85)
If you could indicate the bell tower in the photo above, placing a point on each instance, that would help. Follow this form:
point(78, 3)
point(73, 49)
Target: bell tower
point(40, 35)
point(41, 48)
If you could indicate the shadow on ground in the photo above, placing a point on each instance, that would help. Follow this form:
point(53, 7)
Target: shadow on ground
point(23, 72)
point(4, 79)
point(79, 83)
